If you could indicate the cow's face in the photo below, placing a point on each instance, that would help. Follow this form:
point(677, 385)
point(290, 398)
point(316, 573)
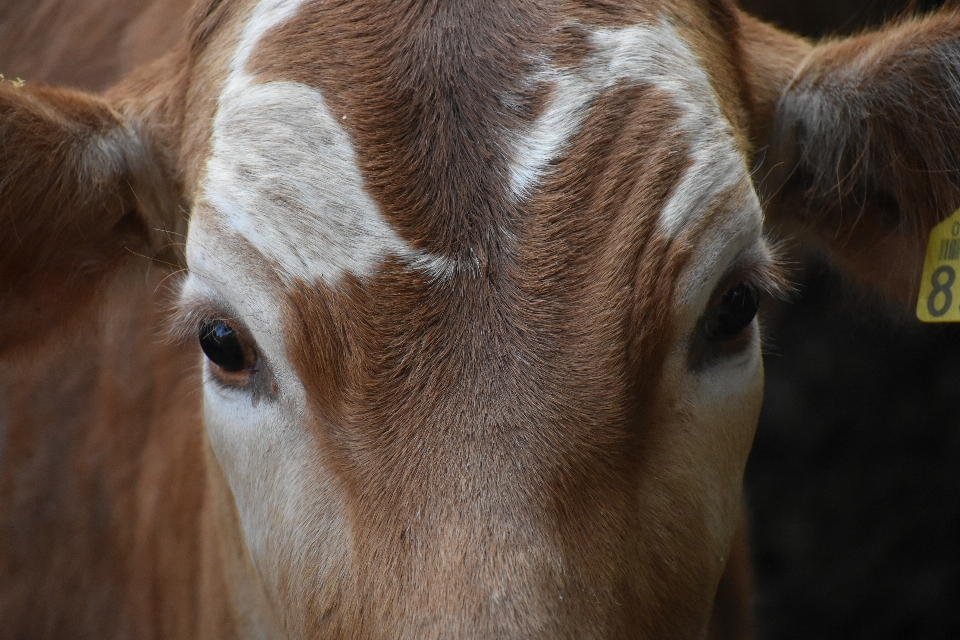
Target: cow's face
point(477, 295)
point(477, 285)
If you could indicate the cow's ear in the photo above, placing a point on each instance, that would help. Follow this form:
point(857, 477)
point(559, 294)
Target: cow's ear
point(862, 146)
point(80, 194)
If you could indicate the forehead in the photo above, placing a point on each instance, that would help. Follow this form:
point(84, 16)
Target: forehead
point(450, 138)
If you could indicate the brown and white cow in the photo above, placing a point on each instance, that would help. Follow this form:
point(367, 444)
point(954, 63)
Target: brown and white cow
point(477, 286)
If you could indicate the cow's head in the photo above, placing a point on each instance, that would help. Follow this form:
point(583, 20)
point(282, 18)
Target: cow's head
point(477, 283)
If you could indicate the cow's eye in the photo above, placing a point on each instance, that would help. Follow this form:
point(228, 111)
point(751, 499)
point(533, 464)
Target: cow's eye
point(225, 347)
point(737, 309)
point(734, 312)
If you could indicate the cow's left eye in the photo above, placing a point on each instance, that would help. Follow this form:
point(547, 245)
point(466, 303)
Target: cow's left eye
point(227, 348)
point(734, 313)
point(726, 327)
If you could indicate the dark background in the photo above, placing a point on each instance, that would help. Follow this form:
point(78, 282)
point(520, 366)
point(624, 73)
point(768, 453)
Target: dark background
point(854, 481)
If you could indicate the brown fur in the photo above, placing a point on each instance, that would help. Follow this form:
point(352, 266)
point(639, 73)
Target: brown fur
point(77, 191)
point(461, 215)
point(519, 311)
point(496, 433)
point(86, 45)
point(102, 496)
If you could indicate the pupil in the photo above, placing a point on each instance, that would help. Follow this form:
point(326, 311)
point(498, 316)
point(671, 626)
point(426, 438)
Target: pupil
point(737, 309)
point(220, 343)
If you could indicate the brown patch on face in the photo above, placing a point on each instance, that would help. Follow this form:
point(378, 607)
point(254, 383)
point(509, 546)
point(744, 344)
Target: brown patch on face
point(430, 93)
point(492, 431)
point(333, 337)
point(572, 47)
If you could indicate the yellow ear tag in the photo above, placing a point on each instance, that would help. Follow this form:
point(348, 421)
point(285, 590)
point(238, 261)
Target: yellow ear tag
point(939, 290)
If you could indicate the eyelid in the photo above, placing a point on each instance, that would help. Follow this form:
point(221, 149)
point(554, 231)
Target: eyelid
point(764, 270)
point(192, 310)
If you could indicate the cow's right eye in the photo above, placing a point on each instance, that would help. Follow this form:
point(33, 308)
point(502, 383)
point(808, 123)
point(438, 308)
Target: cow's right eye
point(226, 348)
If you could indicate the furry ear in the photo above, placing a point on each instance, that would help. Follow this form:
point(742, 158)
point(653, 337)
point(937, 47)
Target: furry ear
point(863, 146)
point(79, 191)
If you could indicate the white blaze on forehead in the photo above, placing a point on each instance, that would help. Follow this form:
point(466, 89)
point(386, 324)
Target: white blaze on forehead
point(653, 54)
point(284, 175)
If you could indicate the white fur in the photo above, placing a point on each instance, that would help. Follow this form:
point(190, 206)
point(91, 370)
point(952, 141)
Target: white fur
point(648, 53)
point(572, 94)
point(283, 174)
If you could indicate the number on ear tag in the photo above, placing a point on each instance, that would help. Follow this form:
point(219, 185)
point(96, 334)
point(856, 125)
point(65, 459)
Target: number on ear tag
point(940, 290)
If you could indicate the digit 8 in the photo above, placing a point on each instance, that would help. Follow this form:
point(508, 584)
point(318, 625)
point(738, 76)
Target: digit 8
point(941, 287)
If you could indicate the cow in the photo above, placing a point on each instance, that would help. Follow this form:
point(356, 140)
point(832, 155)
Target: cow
point(426, 318)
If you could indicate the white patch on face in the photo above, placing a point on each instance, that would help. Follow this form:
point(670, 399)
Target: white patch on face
point(651, 54)
point(571, 97)
point(291, 511)
point(284, 175)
